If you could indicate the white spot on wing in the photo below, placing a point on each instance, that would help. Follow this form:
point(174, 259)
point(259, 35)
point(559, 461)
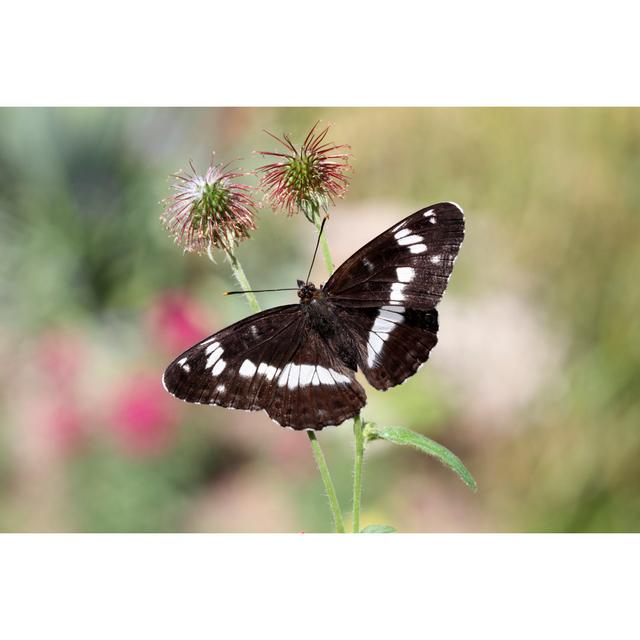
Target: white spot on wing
point(428, 213)
point(219, 368)
point(435, 259)
point(388, 319)
point(418, 248)
point(213, 358)
point(374, 347)
point(396, 291)
point(306, 374)
point(392, 316)
point(324, 376)
point(247, 369)
point(406, 274)
point(294, 376)
point(211, 347)
point(268, 371)
point(393, 309)
point(383, 325)
point(220, 388)
point(338, 377)
point(410, 240)
point(402, 234)
point(282, 380)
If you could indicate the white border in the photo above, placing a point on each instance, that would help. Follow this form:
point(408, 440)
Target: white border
point(315, 586)
point(284, 52)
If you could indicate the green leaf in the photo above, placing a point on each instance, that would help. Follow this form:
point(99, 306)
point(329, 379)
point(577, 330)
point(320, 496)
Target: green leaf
point(400, 435)
point(378, 528)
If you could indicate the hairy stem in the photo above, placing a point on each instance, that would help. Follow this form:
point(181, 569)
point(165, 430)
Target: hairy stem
point(357, 472)
point(242, 279)
point(240, 276)
point(324, 245)
point(357, 421)
point(328, 483)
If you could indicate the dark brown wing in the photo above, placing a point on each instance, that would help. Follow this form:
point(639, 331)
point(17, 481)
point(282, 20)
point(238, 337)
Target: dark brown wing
point(386, 293)
point(269, 361)
point(407, 265)
point(393, 342)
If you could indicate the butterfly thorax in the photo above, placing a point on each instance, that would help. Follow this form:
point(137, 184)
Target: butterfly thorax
point(307, 292)
point(317, 307)
point(323, 319)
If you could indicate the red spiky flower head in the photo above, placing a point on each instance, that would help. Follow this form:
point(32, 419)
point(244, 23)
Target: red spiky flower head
point(308, 178)
point(209, 211)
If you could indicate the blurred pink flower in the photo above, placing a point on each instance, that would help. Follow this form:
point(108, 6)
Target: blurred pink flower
point(290, 453)
point(53, 428)
point(65, 425)
point(144, 416)
point(60, 356)
point(57, 418)
point(177, 321)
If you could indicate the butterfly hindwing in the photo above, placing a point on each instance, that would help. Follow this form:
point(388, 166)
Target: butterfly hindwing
point(393, 341)
point(271, 361)
point(409, 264)
point(316, 388)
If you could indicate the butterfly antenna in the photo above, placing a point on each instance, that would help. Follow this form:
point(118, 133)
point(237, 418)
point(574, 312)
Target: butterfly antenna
point(316, 249)
point(234, 293)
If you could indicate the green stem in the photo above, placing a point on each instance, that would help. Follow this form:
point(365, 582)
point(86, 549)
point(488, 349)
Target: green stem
point(328, 483)
point(324, 245)
point(357, 472)
point(357, 421)
point(240, 276)
point(239, 273)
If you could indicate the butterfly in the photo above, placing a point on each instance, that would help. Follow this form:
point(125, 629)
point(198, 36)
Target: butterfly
point(376, 313)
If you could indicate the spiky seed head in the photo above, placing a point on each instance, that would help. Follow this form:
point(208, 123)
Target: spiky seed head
point(209, 211)
point(307, 178)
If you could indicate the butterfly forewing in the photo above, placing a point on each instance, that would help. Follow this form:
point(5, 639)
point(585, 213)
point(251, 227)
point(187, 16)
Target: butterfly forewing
point(409, 264)
point(269, 361)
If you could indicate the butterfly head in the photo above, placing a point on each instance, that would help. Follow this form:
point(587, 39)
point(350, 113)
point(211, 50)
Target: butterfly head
point(307, 292)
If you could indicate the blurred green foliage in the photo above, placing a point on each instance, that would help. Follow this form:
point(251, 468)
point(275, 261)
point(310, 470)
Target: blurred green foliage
point(552, 199)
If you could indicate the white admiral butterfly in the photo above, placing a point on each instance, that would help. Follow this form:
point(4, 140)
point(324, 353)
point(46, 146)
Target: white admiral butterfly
point(298, 361)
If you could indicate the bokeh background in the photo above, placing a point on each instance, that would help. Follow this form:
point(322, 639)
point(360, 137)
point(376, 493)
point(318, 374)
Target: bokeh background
point(534, 383)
